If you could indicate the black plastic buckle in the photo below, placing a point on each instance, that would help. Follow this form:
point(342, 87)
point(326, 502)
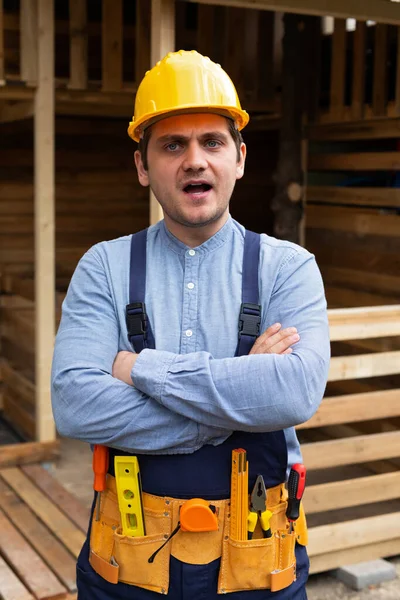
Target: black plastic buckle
point(249, 324)
point(136, 319)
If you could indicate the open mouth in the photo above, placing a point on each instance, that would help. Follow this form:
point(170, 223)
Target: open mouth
point(197, 188)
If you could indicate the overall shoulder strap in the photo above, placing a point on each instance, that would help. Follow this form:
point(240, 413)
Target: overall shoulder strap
point(137, 323)
point(250, 310)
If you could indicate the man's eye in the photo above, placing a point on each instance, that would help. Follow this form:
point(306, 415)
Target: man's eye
point(173, 146)
point(213, 143)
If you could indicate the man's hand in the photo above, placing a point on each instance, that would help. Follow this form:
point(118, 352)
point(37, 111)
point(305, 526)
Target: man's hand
point(275, 340)
point(123, 365)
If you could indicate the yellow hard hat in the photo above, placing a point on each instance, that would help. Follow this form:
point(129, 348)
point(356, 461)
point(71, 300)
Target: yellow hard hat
point(183, 82)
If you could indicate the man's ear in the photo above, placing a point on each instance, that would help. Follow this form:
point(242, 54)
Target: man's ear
point(241, 161)
point(143, 175)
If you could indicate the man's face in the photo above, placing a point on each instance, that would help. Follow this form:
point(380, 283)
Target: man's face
point(192, 168)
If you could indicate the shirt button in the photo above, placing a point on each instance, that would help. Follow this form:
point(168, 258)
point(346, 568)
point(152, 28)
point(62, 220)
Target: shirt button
point(189, 332)
point(190, 286)
point(192, 252)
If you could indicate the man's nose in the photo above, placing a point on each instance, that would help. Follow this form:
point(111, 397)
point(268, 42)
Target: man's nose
point(195, 158)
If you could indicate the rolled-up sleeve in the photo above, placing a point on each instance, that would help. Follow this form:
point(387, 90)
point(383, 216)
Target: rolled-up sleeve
point(261, 392)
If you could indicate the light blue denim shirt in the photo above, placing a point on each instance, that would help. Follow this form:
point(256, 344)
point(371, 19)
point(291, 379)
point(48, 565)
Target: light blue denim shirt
point(190, 390)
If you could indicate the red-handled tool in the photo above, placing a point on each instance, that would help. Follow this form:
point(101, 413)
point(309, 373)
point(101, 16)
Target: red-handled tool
point(296, 484)
point(100, 468)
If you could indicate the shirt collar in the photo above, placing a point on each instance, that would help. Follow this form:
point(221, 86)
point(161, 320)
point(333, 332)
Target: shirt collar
point(214, 242)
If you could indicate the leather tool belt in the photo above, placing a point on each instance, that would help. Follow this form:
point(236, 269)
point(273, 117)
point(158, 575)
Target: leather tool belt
point(259, 563)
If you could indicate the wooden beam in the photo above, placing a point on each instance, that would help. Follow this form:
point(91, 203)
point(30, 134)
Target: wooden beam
point(338, 70)
point(44, 221)
point(142, 39)
point(379, 90)
point(28, 452)
point(362, 323)
point(162, 42)
point(365, 552)
point(359, 59)
point(354, 450)
point(360, 130)
point(29, 41)
point(351, 408)
point(112, 24)
point(78, 67)
point(364, 365)
point(355, 161)
point(351, 492)
point(360, 222)
point(350, 534)
point(364, 280)
point(2, 71)
point(388, 197)
point(397, 89)
point(11, 585)
point(374, 10)
point(16, 111)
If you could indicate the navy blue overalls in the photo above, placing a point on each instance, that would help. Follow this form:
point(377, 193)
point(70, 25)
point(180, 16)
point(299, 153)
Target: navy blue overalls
point(205, 473)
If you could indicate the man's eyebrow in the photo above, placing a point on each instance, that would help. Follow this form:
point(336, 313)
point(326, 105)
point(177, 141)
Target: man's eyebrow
point(171, 137)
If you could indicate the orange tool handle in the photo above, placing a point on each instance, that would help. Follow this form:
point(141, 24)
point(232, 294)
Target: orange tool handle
point(100, 467)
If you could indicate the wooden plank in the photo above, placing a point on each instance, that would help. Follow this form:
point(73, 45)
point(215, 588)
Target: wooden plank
point(359, 130)
point(30, 567)
point(339, 297)
point(266, 78)
point(29, 41)
point(351, 492)
point(2, 71)
point(44, 226)
point(11, 587)
point(16, 111)
point(354, 450)
point(362, 323)
point(49, 548)
point(374, 282)
point(18, 383)
point(364, 365)
point(333, 560)
point(388, 197)
point(359, 61)
point(359, 221)
point(65, 501)
point(205, 30)
point(112, 24)
point(350, 408)
point(142, 39)
point(20, 416)
point(338, 70)
point(162, 42)
point(355, 161)
point(78, 74)
point(374, 10)
point(51, 516)
point(351, 534)
point(379, 90)
point(397, 89)
point(28, 452)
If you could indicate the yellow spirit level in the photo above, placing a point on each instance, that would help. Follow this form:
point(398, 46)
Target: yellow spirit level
point(129, 492)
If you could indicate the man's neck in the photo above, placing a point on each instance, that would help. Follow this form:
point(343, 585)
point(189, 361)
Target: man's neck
point(194, 236)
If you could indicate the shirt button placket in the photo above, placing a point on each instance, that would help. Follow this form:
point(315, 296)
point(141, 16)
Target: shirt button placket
point(190, 301)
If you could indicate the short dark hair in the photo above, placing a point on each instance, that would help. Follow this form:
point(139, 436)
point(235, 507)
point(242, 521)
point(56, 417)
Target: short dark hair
point(144, 141)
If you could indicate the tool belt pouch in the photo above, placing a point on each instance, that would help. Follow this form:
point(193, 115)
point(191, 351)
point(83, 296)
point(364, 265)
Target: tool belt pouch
point(261, 563)
point(117, 557)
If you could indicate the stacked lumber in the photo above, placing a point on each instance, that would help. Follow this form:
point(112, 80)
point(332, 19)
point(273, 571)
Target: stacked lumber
point(351, 447)
point(43, 528)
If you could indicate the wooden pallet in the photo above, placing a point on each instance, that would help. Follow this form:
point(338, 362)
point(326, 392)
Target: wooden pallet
point(42, 531)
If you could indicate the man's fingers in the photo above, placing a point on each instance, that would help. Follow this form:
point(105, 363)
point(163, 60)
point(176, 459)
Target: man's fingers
point(282, 345)
point(264, 336)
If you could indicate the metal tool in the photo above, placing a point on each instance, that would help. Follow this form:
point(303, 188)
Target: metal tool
point(100, 468)
point(258, 510)
point(296, 484)
point(129, 494)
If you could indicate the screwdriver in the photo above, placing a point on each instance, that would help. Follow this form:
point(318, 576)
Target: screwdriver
point(296, 484)
point(100, 468)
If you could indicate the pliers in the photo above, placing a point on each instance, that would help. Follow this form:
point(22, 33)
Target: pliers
point(258, 510)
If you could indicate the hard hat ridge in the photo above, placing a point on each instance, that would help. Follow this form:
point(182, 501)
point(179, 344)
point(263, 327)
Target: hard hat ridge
point(185, 82)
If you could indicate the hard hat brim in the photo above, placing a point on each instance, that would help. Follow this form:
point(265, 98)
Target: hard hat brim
point(239, 116)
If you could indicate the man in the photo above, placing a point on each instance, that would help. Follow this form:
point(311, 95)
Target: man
point(148, 360)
